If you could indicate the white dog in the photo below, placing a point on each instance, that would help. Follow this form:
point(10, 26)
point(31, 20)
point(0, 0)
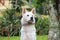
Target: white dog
point(28, 31)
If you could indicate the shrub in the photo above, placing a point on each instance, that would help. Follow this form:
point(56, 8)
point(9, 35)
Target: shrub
point(42, 24)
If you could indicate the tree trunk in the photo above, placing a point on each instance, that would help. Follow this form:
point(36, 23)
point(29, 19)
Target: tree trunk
point(58, 13)
point(53, 30)
point(59, 16)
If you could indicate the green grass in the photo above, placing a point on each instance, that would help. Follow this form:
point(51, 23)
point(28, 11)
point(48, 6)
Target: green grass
point(44, 37)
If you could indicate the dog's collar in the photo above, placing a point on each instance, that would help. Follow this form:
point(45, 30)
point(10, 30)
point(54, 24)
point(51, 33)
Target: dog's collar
point(28, 24)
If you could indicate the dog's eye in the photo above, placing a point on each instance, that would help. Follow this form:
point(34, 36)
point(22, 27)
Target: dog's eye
point(27, 15)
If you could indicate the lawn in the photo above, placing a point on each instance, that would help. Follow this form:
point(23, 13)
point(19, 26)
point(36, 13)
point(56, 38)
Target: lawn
point(44, 37)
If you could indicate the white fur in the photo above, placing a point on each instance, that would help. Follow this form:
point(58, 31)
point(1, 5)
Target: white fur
point(28, 31)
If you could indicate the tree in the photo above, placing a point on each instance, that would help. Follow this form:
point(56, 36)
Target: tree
point(54, 25)
point(58, 13)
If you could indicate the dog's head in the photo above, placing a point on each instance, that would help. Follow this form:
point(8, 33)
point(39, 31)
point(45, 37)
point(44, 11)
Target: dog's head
point(28, 16)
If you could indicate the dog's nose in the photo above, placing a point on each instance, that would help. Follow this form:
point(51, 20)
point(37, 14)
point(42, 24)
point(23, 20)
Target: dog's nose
point(32, 18)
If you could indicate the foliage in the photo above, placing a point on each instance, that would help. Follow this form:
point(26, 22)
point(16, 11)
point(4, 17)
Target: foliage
point(42, 24)
point(17, 5)
point(14, 18)
point(39, 5)
point(10, 19)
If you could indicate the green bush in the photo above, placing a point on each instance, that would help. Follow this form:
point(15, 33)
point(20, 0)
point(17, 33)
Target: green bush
point(9, 20)
point(13, 18)
point(42, 24)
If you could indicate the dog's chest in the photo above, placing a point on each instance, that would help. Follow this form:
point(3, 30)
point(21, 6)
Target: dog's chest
point(28, 28)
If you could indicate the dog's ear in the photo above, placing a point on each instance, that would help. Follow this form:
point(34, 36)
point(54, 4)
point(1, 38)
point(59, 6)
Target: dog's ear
point(23, 11)
point(33, 11)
